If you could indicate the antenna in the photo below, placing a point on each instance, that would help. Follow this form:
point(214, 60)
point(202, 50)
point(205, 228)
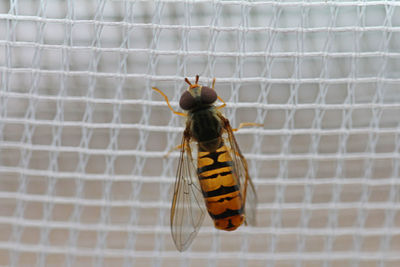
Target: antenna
point(186, 80)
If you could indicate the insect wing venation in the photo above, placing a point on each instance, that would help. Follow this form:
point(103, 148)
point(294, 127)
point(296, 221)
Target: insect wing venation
point(187, 211)
point(240, 168)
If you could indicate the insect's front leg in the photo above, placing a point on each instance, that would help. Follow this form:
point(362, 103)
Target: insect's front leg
point(247, 124)
point(166, 100)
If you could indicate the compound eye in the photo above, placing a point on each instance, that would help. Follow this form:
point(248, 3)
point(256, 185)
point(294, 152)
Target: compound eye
point(208, 95)
point(187, 101)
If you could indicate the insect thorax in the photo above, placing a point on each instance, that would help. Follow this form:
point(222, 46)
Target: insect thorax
point(206, 128)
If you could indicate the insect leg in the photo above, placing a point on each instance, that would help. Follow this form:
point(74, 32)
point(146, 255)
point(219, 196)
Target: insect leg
point(220, 99)
point(246, 124)
point(223, 105)
point(169, 105)
point(172, 149)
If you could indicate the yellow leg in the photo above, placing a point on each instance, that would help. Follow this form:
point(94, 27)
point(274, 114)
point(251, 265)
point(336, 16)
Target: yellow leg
point(220, 99)
point(213, 84)
point(223, 105)
point(246, 124)
point(166, 100)
point(172, 149)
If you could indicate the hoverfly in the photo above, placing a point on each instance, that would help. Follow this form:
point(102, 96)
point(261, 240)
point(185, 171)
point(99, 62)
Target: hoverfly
point(218, 174)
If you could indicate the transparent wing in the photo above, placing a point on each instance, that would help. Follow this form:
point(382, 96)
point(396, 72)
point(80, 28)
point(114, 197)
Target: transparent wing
point(187, 211)
point(247, 188)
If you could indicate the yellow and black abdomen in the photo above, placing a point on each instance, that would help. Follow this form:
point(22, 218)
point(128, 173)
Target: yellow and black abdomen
point(220, 188)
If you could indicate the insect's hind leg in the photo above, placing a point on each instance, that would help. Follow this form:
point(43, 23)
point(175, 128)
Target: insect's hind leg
point(166, 100)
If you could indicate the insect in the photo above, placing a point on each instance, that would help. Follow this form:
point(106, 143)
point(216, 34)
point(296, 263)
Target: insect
point(211, 167)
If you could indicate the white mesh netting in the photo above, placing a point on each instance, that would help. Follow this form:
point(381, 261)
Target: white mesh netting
point(82, 135)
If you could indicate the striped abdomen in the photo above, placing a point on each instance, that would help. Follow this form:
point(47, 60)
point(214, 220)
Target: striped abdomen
point(220, 188)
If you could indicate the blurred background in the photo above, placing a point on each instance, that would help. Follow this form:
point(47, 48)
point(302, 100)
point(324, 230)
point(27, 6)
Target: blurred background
point(83, 177)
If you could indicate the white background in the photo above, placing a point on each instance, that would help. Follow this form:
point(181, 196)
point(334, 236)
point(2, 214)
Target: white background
point(83, 181)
